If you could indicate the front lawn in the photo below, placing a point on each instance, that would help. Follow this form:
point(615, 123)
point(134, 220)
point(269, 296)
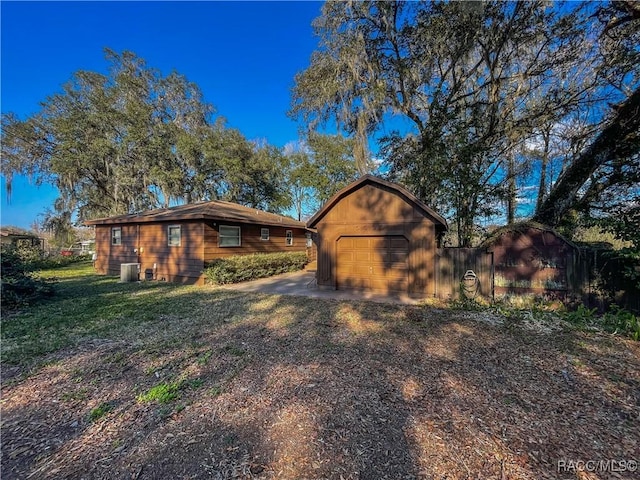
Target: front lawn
point(153, 380)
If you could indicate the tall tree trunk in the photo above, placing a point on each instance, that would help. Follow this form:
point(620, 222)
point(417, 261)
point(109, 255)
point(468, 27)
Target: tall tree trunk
point(299, 207)
point(542, 187)
point(465, 222)
point(511, 190)
point(619, 138)
point(360, 148)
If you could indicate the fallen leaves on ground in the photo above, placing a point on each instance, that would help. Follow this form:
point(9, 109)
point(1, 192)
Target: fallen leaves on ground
point(293, 388)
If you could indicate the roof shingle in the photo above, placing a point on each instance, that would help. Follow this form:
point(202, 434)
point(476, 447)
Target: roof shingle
point(212, 210)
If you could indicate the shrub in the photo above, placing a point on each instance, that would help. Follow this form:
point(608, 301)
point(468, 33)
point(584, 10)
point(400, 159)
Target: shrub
point(58, 261)
point(240, 268)
point(19, 284)
point(617, 320)
point(582, 316)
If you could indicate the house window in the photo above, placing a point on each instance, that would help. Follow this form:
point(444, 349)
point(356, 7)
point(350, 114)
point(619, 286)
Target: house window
point(174, 234)
point(264, 234)
point(309, 240)
point(289, 238)
point(229, 236)
point(116, 236)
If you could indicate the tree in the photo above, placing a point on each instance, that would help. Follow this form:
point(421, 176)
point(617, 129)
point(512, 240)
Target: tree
point(134, 139)
point(478, 81)
point(614, 155)
point(474, 79)
point(101, 139)
point(604, 177)
point(318, 168)
point(256, 178)
point(333, 164)
point(60, 227)
point(300, 175)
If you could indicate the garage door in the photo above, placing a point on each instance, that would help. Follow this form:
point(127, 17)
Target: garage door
point(373, 263)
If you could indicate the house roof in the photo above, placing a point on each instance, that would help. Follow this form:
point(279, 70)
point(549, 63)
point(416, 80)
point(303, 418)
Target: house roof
point(213, 210)
point(372, 180)
point(16, 232)
point(522, 227)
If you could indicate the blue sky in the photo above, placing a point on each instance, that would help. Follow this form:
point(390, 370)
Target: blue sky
point(243, 55)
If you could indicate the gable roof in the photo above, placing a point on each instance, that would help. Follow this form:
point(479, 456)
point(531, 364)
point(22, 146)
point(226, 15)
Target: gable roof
point(212, 210)
point(376, 181)
point(522, 227)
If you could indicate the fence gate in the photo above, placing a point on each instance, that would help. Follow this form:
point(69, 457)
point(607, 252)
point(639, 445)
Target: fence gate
point(464, 271)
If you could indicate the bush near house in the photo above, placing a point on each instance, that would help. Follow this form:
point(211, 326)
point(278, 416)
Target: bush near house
point(59, 261)
point(19, 284)
point(240, 268)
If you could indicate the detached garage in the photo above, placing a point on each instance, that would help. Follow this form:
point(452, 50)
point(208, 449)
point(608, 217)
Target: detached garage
point(376, 236)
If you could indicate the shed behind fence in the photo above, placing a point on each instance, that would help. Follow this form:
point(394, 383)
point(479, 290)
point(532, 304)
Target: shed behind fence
point(532, 259)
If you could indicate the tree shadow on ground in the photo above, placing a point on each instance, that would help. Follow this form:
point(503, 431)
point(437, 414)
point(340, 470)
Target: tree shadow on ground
point(289, 387)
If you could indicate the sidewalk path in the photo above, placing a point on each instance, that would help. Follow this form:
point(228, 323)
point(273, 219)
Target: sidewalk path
point(303, 284)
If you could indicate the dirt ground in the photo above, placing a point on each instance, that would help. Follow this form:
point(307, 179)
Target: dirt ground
point(293, 388)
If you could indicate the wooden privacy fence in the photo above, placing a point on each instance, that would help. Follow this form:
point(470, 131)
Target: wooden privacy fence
point(585, 276)
point(464, 270)
point(471, 272)
point(602, 280)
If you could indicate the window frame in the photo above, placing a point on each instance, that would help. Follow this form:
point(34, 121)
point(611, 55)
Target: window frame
point(288, 238)
point(114, 237)
point(220, 236)
point(169, 227)
point(262, 234)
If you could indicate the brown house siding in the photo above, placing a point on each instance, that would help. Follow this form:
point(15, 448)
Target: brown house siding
point(372, 237)
point(250, 241)
point(198, 245)
point(173, 263)
point(183, 263)
point(109, 257)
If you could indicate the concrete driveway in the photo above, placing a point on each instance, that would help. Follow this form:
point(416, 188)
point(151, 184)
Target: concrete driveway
point(303, 284)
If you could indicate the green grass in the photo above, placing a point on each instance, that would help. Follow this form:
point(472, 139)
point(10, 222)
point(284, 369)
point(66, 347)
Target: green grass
point(193, 384)
point(205, 357)
point(100, 411)
point(215, 391)
point(233, 350)
point(76, 395)
point(87, 306)
point(162, 393)
point(167, 392)
point(91, 308)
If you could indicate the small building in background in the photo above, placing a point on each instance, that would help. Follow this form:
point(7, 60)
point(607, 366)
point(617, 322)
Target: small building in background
point(84, 247)
point(530, 258)
point(17, 236)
